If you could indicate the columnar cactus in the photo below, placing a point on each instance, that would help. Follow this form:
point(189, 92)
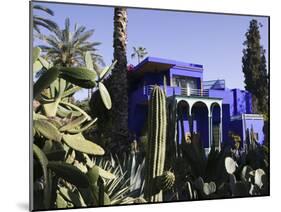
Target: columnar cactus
point(156, 148)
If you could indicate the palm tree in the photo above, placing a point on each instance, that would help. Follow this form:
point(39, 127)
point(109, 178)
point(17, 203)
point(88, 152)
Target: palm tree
point(118, 85)
point(68, 48)
point(139, 52)
point(43, 22)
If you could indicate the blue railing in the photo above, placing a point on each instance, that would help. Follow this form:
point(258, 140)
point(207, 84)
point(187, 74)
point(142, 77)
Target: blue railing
point(179, 91)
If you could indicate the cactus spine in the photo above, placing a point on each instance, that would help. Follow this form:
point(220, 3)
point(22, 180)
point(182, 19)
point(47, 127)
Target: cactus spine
point(156, 148)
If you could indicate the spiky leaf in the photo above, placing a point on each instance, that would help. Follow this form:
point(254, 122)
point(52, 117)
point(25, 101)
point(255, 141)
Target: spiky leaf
point(79, 143)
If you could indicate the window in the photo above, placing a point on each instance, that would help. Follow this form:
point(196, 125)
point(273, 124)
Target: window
point(184, 82)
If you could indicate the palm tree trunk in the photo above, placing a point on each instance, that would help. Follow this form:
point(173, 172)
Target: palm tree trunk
point(118, 87)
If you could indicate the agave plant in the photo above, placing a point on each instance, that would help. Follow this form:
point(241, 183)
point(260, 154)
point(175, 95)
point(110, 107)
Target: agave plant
point(127, 186)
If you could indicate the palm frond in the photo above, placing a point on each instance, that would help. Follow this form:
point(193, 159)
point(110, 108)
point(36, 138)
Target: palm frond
point(45, 9)
point(51, 24)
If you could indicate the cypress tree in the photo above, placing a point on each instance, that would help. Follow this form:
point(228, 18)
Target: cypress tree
point(254, 69)
point(263, 86)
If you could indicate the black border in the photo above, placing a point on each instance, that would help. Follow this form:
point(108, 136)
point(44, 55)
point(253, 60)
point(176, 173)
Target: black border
point(130, 7)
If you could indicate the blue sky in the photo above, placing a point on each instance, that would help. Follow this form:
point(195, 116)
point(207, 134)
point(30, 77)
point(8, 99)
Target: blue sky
point(213, 40)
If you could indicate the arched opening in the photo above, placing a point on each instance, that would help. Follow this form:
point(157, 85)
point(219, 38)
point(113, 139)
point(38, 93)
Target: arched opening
point(216, 125)
point(200, 122)
point(183, 122)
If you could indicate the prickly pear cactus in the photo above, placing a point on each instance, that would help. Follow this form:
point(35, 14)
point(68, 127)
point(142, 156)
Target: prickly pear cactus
point(156, 147)
point(166, 181)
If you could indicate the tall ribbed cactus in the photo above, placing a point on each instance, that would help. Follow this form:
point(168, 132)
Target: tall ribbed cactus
point(156, 148)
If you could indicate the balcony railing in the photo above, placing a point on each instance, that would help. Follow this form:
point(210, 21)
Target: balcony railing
point(179, 91)
point(194, 92)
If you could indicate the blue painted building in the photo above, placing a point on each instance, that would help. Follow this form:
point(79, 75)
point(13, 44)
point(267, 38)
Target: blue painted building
point(207, 108)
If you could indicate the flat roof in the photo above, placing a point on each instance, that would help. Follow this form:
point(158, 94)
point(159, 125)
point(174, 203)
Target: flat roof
point(156, 65)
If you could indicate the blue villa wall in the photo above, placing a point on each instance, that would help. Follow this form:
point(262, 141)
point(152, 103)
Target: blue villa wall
point(235, 102)
point(242, 102)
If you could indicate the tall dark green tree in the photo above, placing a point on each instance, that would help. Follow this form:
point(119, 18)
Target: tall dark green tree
point(254, 68)
point(263, 87)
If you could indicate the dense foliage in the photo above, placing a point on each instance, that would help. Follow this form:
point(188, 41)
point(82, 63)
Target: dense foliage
point(254, 69)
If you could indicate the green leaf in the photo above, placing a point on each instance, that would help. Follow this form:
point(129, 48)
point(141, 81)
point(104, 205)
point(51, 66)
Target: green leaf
point(76, 108)
point(73, 196)
point(106, 70)
point(78, 73)
point(105, 96)
point(105, 174)
point(74, 123)
point(93, 174)
point(60, 202)
point(54, 87)
point(44, 62)
point(80, 83)
point(70, 173)
point(89, 61)
point(86, 126)
point(35, 54)
point(54, 150)
point(79, 143)
point(70, 91)
point(37, 66)
point(51, 108)
point(44, 81)
point(39, 154)
point(61, 88)
point(47, 129)
point(37, 116)
point(63, 112)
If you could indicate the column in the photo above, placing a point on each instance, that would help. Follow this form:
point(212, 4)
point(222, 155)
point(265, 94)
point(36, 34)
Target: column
point(220, 140)
point(210, 127)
